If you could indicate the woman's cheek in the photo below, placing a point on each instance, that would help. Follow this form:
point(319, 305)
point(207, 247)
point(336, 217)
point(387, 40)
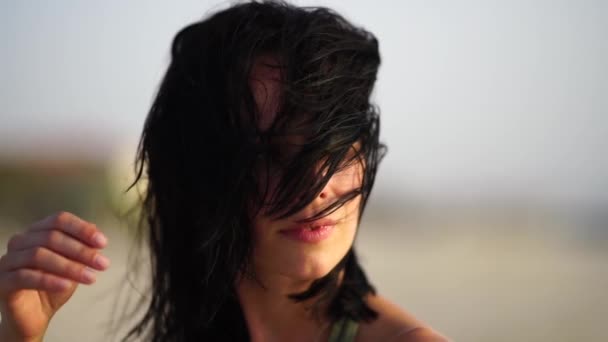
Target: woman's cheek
point(347, 180)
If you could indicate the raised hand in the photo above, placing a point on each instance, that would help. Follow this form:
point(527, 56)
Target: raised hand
point(41, 270)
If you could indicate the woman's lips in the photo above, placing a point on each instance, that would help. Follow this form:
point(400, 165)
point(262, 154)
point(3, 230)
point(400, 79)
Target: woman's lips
point(312, 232)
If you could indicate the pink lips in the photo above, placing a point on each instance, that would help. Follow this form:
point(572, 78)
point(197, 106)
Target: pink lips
point(311, 232)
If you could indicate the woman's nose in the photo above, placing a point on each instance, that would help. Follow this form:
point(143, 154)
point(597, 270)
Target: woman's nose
point(323, 194)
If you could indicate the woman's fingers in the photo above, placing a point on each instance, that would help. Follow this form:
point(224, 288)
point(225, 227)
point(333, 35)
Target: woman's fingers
point(31, 279)
point(47, 261)
point(60, 243)
point(74, 226)
point(53, 254)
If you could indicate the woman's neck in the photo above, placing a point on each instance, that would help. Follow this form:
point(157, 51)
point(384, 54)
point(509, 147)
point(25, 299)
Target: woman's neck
point(272, 316)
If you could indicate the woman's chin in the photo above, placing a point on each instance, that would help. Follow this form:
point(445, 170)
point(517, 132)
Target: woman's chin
point(303, 262)
point(310, 267)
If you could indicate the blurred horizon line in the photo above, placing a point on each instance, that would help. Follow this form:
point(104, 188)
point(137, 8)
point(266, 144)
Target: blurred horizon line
point(396, 204)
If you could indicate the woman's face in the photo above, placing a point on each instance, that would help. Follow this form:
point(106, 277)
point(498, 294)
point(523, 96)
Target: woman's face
point(288, 247)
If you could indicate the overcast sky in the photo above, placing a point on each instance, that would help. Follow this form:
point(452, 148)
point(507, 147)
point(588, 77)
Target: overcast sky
point(478, 98)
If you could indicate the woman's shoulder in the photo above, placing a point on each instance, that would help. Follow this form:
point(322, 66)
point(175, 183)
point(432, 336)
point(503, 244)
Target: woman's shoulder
point(395, 324)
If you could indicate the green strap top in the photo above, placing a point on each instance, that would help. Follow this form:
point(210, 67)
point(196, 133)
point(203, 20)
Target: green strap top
point(343, 330)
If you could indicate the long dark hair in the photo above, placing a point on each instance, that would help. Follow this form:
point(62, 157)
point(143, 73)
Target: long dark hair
point(201, 151)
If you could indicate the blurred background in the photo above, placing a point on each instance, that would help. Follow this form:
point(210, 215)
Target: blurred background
point(489, 219)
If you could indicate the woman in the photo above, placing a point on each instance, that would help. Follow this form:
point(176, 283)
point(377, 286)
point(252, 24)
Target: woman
point(259, 152)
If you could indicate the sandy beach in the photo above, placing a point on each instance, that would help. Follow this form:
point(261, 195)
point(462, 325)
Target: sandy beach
point(470, 283)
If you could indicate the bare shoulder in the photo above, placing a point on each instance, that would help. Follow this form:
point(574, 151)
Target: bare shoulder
point(395, 324)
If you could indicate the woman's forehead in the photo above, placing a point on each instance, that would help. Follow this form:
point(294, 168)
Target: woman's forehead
point(265, 83)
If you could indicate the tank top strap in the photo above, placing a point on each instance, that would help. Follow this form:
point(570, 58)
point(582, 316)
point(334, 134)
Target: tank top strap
point(343, 330)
